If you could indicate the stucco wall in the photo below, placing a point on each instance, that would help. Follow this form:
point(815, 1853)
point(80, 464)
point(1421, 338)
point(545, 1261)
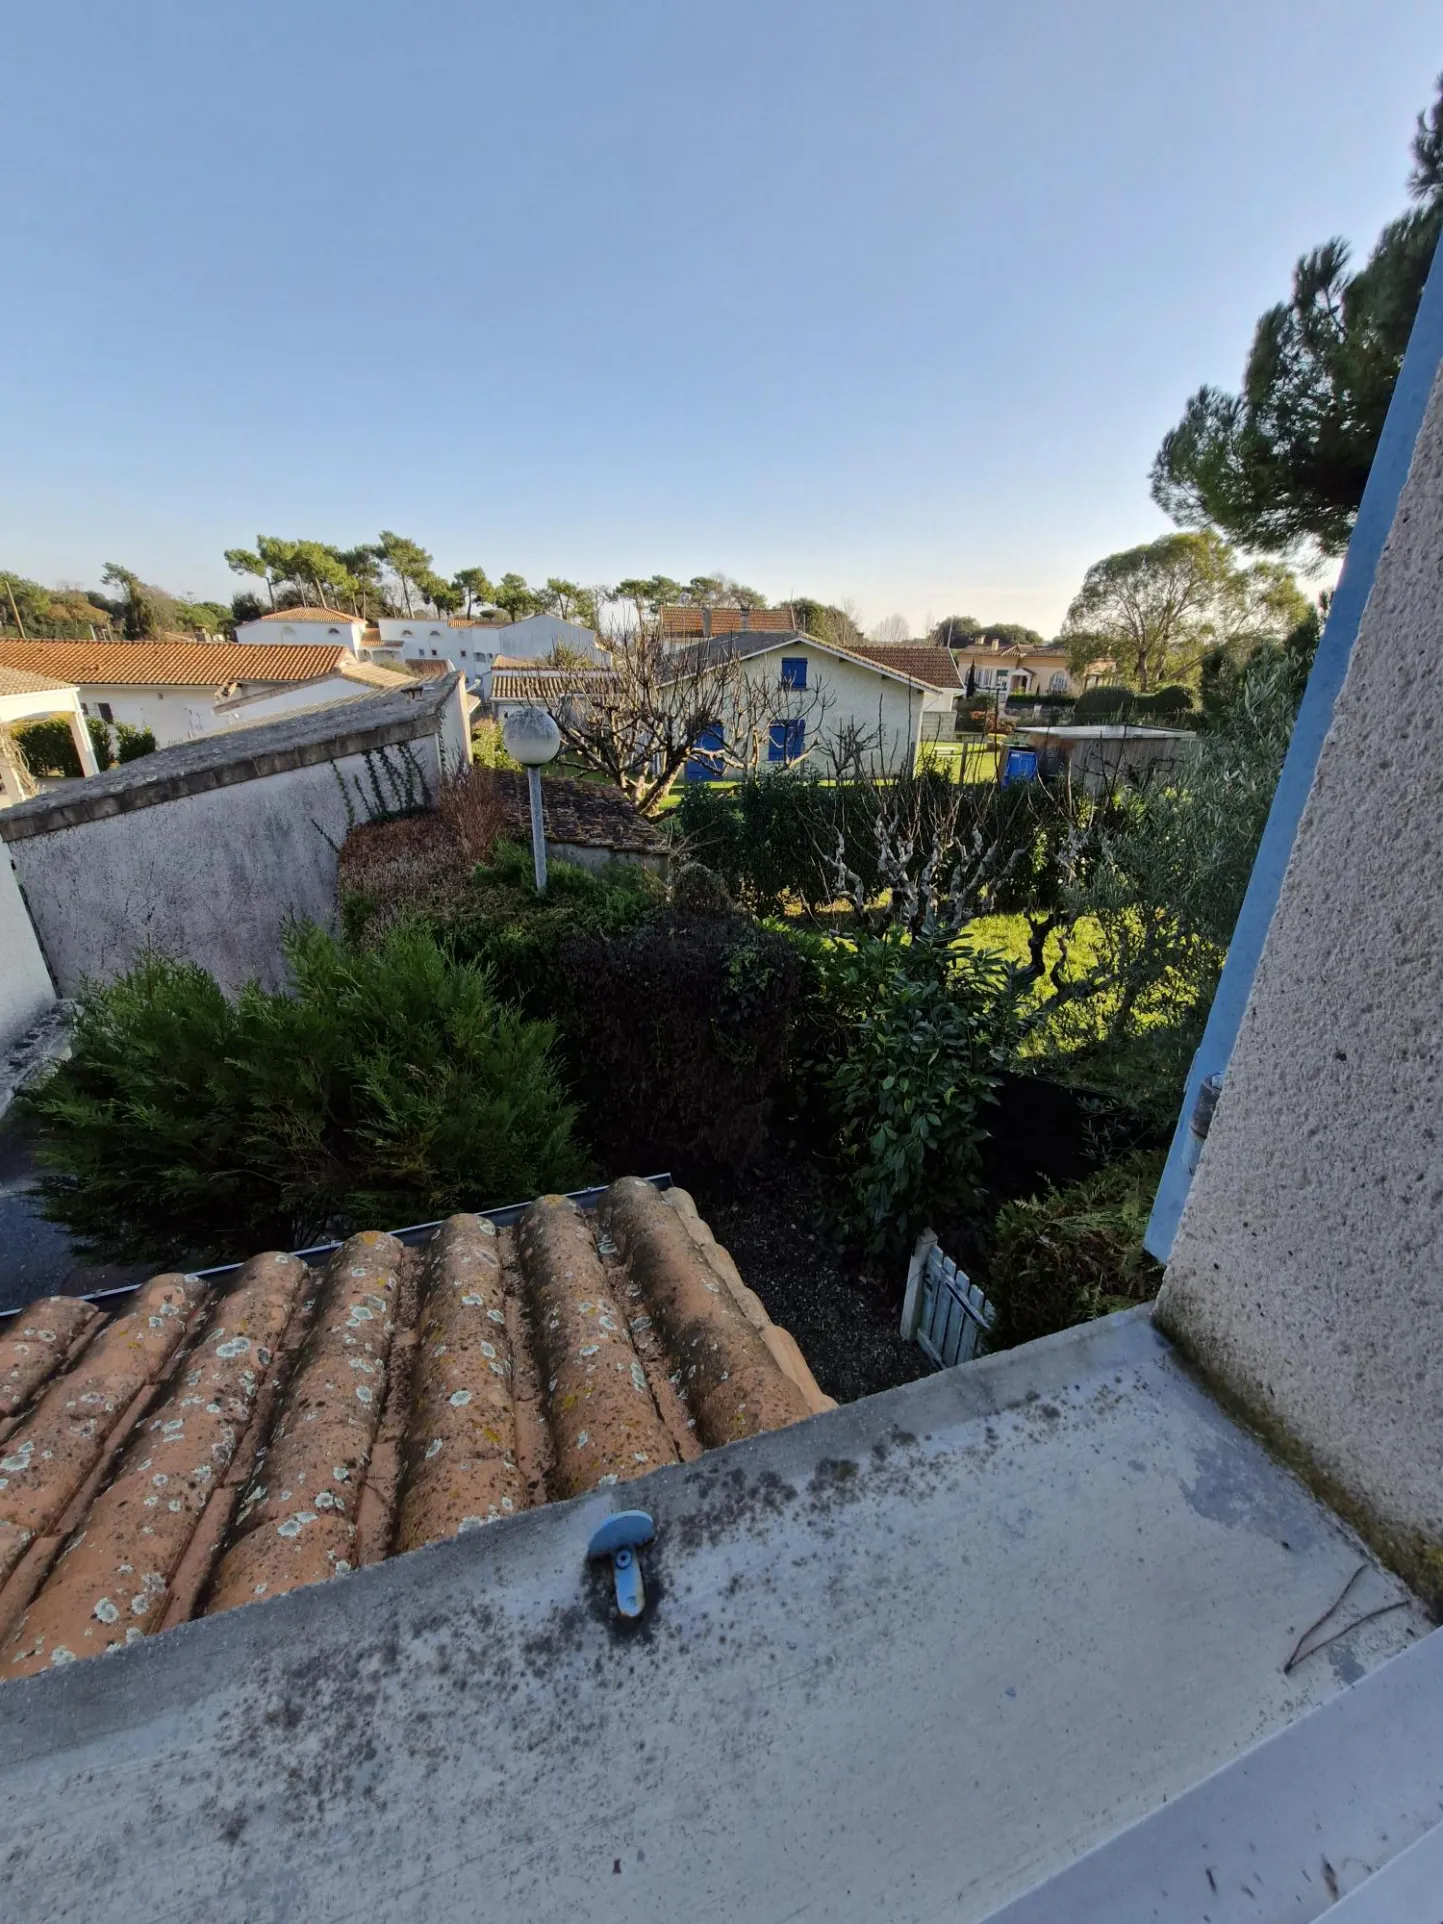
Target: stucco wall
point(204, 852)
point(25, 988)
point(172, 715)
point(1307, 1274)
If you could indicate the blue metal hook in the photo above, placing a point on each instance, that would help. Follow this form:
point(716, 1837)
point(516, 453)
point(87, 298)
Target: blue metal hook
point(619, 1538)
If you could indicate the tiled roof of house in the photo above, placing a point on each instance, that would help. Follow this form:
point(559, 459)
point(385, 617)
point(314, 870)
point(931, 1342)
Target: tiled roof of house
point(213, 1444)
point(375, 674)
point(309, 614)
point(19, 681)
point(167, 664)
point(679, 622)
point(1014, 650)
point(917, 661)
point(544, 684)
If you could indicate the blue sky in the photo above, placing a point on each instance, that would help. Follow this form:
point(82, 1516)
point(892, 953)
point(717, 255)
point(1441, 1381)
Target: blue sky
point(887, 301)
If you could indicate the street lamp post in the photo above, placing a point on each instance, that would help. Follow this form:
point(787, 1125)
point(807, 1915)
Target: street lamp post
point(532, 738)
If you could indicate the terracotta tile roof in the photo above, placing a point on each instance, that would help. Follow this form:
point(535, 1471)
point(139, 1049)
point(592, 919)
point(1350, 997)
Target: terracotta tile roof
point(183, 664)
point(543, 684)
point(679, 622)
point(18, 681)
point(220, 1442)
point(309, 614)
point(920, 662)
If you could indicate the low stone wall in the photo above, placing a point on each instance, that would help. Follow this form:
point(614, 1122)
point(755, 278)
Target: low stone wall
point(206, 850)
point(25, 987)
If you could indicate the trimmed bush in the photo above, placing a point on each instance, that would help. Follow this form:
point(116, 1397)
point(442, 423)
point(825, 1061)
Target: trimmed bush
point(499, 921)
point(390, 1087)
point(676, 1035)
point(1071, 1254)
point(1102, 705)
point(699, 891)
point(774, 838)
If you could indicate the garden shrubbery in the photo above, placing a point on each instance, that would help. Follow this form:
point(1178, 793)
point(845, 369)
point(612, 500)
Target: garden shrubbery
point(392, 1086)
point(1071, 1254)
point(676, 1033)
point(500, 923)
point(903, 1045)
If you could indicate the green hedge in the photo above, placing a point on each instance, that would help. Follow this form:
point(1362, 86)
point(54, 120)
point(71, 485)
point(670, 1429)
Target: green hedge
point(390, 1087)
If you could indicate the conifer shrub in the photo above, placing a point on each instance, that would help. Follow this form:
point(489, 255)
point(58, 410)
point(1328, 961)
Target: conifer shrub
point(391, 1086)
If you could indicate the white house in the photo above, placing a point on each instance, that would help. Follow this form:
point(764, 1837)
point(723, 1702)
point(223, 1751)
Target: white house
point(304, 627)
point(473, 646)
point(348, 681)
point(888, 701)
point(171, 687)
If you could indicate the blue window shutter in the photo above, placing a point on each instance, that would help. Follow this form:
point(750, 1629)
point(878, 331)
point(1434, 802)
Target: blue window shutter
point(794, 671)
point(708, 742)
point(786, 740)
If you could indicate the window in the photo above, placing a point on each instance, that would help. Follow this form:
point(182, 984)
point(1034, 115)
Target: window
point(794, 671)
point(1058, 684)
point(105, 712)
point(786, 741)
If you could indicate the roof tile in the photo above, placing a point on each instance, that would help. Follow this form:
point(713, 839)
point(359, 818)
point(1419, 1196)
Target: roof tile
point(397, 1400)
point(679, 621)
point(309, 614)
point(918, 662)
point(187, 664)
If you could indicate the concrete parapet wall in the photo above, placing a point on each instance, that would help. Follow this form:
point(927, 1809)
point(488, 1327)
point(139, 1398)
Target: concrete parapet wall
point(25, 988)
point(205, 851)
point(1307, 1275)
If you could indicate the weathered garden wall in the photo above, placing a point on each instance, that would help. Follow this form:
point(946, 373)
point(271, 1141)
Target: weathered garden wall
point(1307, 1274)
point(205, 850)
point(25, 987)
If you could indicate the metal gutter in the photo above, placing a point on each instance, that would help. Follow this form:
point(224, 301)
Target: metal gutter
point(1315, 715)
point(413, 1235)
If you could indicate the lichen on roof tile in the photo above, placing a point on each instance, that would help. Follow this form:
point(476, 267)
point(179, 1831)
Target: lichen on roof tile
point(213, 1447)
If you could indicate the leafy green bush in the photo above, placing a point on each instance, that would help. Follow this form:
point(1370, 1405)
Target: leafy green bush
point(488, 750)
point(699, 891)
point(905, 1043)
point(676, 1033)
point(100, 742)
point(132, 743)
point(502, 924)
point(390, 1087)
point(1071, 1254)
point(48, 748)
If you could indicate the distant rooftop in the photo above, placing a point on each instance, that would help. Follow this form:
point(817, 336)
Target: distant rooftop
point(678, 623)
point(918, 661)
point(309, 614)
point(199, 664)
point(18, 681)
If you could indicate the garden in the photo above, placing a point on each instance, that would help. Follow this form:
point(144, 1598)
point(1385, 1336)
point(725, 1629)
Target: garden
point(855, 1010)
